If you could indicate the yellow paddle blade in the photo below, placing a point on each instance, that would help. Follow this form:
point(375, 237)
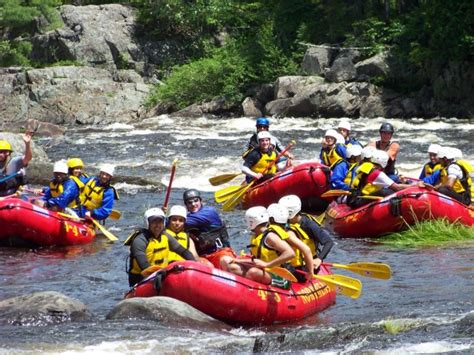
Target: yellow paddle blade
point(104, 231)
point(115, 214)
point(320, 219)
point(335, 193)
point(367, 269)
point(230, 204)
point(222, 179)
point(344, 285)
point(369, 197)
point(227, 192)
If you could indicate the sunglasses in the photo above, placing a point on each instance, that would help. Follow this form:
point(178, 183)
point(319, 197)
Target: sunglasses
point(259, 127)
point(192, 200)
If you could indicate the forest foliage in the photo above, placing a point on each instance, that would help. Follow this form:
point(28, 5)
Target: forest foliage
point(233, 45)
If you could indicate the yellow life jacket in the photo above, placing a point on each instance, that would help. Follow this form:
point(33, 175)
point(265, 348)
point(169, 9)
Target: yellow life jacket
point(360, 181)
point(92, 195)
point(263, 163)
point(257, 243)
point(363, 170)
point(463, 184)
point(348, 178)
point(157, 253)
point(183, 239)
point(332, 157)
point(56, 188)
point(298, 260)
point(429, 170)
point(76, 203)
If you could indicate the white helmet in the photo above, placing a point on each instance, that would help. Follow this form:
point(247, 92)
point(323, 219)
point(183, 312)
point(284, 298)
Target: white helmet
point(292, 204)
point(278, 212)
point(60, 167)
point(446, 152)
point(263, 135)
point(108, 169)
point(344, 125)
point(332, 133)
point(154, 212)
point(380, 157)
point(354, 150)
point(434, 148)
point(255, 216)
point(368, 152)
point(178, 210)
point(457, 153)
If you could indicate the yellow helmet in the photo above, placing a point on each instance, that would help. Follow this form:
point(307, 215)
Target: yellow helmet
point(75, 162)
point(4, 145)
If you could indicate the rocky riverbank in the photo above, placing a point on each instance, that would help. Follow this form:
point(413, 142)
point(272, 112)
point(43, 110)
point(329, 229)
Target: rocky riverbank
point(117, 70)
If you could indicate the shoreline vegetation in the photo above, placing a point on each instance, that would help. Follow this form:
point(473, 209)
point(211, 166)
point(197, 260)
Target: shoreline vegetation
point(229, 48)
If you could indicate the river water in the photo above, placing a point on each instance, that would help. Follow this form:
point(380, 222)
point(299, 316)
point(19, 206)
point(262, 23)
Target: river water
point(429, 299)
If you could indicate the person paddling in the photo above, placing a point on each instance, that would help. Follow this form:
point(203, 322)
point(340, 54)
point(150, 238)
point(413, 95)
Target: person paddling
point(176, 220)
point(98, 196)
point(61, 192)
point(268, 249)
point(11, 167)
point(206, 228)
point(151, 247)
point(392, 148)
point(256, 163)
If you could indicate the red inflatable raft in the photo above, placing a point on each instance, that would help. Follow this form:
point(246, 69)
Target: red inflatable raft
point(25, 224)
point(395, 212)
point(308, 181)
point(235, 299)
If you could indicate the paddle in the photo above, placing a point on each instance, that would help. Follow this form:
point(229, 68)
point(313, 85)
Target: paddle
point(345, 285)
point(334, 193)
point(168, 189)
point(374, 270)
point(96, 223)
point(150, 270)
point(279, 271)
point(222, 179)
point(235, 199)
point(11, 176)
point(227, 192)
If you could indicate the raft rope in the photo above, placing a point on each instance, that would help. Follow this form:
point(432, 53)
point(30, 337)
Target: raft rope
point(291, 292)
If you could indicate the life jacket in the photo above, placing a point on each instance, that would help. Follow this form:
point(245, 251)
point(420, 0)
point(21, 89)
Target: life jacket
point(93, 194)
point(429, 168)
point(258, 247)
point(361, 181)
point(182, 238)
point(298, 260)
point(11, 185)
point(460, 185)
point(331, 157)
point(80, 185)
point(390, 168)
point(211, 241)
point(348, 178)
point(157, 250)
point(265, 160)
point(56, 188)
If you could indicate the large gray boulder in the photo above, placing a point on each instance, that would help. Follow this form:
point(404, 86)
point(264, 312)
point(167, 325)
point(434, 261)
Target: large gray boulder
point(42, 308)
point(67, 95)
point(165, 310)
point(342, 70)
point(317, 60)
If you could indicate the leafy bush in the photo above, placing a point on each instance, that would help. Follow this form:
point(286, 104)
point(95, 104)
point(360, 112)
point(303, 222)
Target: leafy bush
point(14, 53)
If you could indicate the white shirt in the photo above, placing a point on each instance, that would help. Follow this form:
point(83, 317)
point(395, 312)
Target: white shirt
point(454, 171)
point(383, 180)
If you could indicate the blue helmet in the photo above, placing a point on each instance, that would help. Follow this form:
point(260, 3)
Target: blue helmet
point(263, 121)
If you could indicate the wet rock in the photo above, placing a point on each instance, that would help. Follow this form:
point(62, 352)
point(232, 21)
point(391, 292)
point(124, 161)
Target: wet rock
point(251, 107)
point(164, 310)
point(42, 308)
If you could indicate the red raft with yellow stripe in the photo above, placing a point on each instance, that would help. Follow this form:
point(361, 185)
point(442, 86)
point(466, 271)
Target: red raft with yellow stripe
point(235, 299)
point(395, 213)
point(307, 180)
point(23, 224)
